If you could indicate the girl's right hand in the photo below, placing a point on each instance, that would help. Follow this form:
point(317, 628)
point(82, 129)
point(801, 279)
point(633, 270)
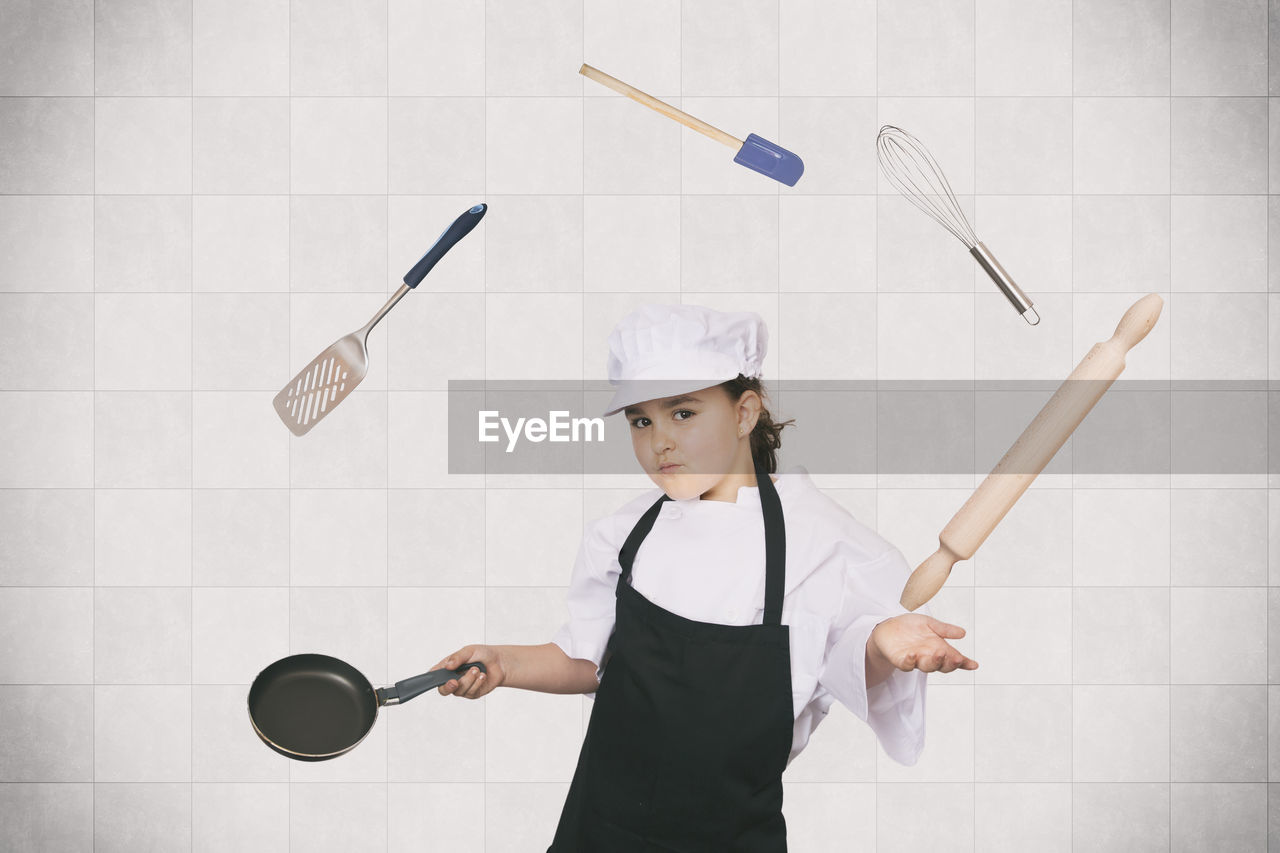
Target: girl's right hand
point(473, 684)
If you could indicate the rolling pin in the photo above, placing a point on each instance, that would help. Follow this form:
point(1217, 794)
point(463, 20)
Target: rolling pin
point(1024, 461)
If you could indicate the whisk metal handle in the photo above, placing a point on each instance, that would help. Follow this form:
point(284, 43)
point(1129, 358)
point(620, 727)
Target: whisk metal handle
point(1005, 282)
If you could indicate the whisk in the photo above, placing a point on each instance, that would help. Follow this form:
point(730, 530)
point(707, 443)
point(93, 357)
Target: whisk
point(912, 170)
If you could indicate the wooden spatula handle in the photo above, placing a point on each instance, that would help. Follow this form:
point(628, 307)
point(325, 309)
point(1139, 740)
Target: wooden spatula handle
point(1024, 461)
point(660, 106)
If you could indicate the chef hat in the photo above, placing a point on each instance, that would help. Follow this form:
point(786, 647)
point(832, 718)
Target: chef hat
point(663, 350)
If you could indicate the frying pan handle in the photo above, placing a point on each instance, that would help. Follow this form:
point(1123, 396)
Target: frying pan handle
point(419, 684)
point(460, 228)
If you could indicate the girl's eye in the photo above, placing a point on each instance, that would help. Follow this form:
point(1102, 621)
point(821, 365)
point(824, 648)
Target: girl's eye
point(685, 411)
point(635, 422)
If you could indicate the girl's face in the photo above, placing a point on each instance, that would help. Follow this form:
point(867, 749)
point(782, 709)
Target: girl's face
point(689, 444)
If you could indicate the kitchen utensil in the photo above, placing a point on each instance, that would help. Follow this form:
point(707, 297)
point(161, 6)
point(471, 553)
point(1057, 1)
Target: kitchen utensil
point(755, 152)
point(334, 373)
point(912, 170)
point(313, 707)
point(1024, 461)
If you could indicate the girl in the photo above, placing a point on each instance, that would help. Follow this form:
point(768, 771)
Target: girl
point(715, 619)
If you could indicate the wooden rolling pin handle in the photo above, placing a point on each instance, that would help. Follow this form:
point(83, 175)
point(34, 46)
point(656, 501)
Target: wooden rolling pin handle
point(660, 106)
point(928, 577)
point(1138, 321)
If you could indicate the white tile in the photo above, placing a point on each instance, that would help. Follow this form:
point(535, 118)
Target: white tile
point(631, 243)
point(925, 48)
point(59, 816)
point(1031, 236)
point(1032, 545)
point(729, 243)
point(142, 341)
point(1218, 336)
point(517, 812)
point(533, 50)
point(142, 439)
point(628, 149)
point(842, 750)
point(1219, 48)
point(226, 748)
point(239, 244)
point(1121, 537)
point(143, 243)
point(152, 816)
point(47, 635)
point(348, 450)
point(1120, 733)
point(336, 48)
point(827, 49)
point(48, 537)
point(1219, 537)
point(418, 811)
point(827, 244)
point(517, 345)
point(833, 136)
point(418, 555)
point(419, 449)
point(904, 320)
point(914, 253)
point(1219, 635)
point(240, 341)
point(707, 166)
point(945, 127)
point(238, 441)
point(46, 243)
point(1237, 716)
point(346, 622)
point(1121, 243)
point(142, 635)
point(1121, 145)
point(1024, 145)
point(638, 44)
point(530, 737)
point(241, 145)
point(1136, 618)
point(50, 50)
point(530, 535)
point(338, 145)
point(142, 145)
point(827, 336)
point(142, 537)
point(1219, 145)
point(49, 733)
point(1023, 48)
point(516, 256)
point(729, 48)
point(338, 244)
point(337, 817)
point(1008, 348)
point(248, 817)
point(950, 752)
point(1120, 48)
point(1023, 817)
point(534, 145)
point(436, 145)
point(357, 557)
point(1026, 635)
point(49, 338)
point(951, 823)
point(142, 733)
point(436, 48)
point(47, 440)
point(240, 537)
point(1023, 733)
point(49, 145)
point(237, 631)
point(142, 48)
point(1131, 816)
point(433, 339)
point(240, 47)
point(1228, 817)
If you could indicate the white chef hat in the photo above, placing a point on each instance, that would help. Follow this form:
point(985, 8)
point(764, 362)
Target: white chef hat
point(663, 350)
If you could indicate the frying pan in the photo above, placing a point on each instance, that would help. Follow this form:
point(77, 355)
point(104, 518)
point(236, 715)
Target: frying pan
point(312, 707)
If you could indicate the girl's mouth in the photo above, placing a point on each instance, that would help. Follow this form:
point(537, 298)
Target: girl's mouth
point(667, 469)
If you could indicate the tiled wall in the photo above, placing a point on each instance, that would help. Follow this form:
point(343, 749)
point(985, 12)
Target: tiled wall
point(197, 197)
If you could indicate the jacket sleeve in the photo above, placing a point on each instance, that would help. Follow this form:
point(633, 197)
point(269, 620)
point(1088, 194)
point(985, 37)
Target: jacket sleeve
point(592, 597)
point(894, 708)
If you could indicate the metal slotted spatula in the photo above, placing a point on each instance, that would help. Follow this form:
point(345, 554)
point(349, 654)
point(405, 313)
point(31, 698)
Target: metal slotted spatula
point(334, 373)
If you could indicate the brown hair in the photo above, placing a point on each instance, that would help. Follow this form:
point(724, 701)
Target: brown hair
point(766, 437)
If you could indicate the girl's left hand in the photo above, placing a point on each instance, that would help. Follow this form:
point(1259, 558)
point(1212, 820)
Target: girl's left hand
point(915, 641)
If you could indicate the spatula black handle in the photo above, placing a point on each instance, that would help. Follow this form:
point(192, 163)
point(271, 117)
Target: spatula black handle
point(460, 228)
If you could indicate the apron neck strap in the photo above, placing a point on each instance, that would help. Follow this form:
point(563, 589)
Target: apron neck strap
point(775, 543)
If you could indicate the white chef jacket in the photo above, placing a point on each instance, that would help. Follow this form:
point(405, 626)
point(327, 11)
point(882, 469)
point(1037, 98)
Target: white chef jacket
point(705, 560)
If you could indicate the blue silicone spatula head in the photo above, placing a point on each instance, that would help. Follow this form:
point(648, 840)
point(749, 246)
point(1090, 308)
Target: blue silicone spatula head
point(761, 155)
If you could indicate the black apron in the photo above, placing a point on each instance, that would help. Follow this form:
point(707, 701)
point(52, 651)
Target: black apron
point(692, 723)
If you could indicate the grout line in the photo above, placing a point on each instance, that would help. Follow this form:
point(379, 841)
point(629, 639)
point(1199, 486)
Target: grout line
point(386, 503)
point(1169, 568)
point(191, 352)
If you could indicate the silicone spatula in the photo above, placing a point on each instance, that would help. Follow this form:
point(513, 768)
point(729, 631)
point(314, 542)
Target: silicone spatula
point(755, 152)
point(333, 374)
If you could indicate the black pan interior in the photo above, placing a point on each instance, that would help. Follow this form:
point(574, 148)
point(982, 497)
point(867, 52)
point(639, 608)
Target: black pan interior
point(312, 706)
